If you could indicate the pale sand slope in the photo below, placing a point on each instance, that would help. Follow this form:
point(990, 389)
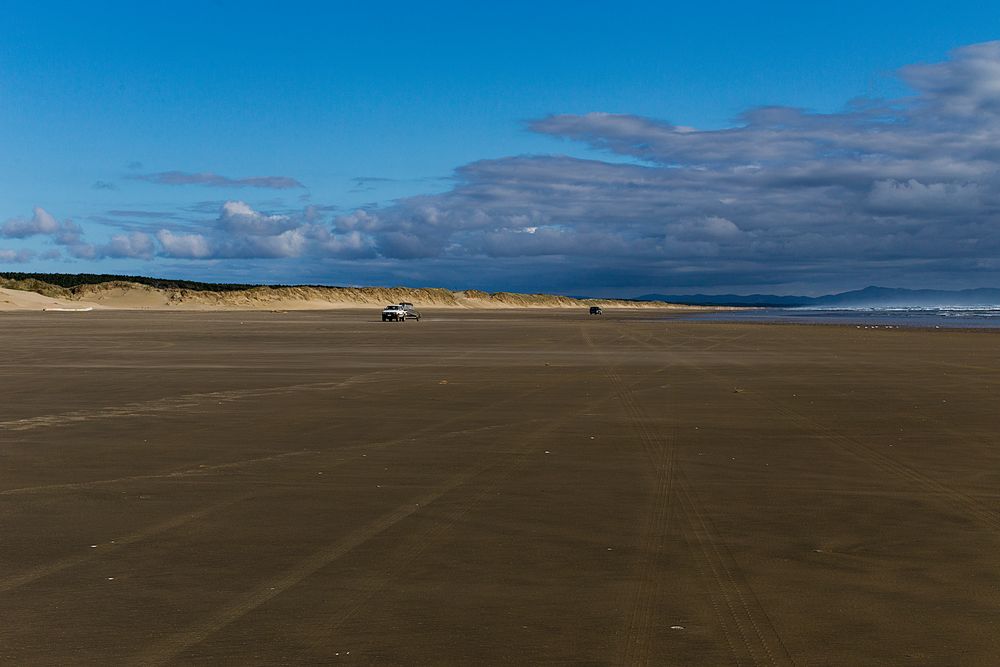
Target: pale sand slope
point(19, 300)
point(133, 296)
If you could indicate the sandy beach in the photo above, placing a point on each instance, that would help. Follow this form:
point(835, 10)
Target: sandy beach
point(494, 486)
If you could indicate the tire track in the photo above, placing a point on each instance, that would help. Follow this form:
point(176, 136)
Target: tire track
point(174, 404)
point(100, 550)
point(194, 401)
point(59, 565)
point(741, 613)
point(640, 620)
point(190, 472)
point(943, 494)
point(390, 568)
point(204, 470)
point(171, 646)
point(639, 626)
point(744, 623)
point(104, 549)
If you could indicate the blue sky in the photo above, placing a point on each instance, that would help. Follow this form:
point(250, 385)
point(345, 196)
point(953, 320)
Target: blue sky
point(500, 145)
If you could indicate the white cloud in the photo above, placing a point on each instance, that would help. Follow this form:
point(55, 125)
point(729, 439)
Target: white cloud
point(241, 232)
point(185, 246)
point(16, 256)
point(135, 244)
point(41, 222)
point(240, 219)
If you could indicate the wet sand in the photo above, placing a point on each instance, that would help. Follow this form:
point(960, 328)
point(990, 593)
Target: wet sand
point(495, 487)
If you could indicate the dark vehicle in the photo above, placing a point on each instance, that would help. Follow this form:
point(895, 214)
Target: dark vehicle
point(411, 313)
point(400, 312)
point(596, 310)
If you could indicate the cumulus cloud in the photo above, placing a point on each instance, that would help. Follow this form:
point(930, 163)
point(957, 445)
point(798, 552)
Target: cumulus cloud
point(184, 246)
point(135, 245)
point(41, 222)
point(241, 232)
point(218, 181)
point(16, 256)
point(72, 238)
point(239, 219)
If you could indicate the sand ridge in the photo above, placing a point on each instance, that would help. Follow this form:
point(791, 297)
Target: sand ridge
point(122, 295)
point(14, 299)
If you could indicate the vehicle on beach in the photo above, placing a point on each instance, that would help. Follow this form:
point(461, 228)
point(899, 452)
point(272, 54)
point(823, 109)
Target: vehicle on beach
point(400, 312)
point(596, 310)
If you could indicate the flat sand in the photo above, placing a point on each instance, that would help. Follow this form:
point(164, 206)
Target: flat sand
point(495, 487)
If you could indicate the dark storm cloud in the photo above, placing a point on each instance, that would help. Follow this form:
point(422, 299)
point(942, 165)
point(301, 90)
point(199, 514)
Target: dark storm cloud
point(217, 181)
point(881, 189)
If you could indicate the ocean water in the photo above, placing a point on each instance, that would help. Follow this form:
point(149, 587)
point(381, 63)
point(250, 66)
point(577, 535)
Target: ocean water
point(979, 318)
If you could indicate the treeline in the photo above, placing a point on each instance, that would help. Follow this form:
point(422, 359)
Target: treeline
point(70, 280)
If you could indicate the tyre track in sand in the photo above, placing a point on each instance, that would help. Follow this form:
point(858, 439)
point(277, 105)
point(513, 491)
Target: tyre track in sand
point(640, 619)
point(736, 605)
point(199, 400)
point(202, 470)
point(172, 404)
point(942, 494)
point(391, 568)
point(104, 549)
point(174, 645)
point(745, 625)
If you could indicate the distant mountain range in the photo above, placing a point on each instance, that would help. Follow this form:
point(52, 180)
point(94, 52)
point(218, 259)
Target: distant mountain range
point(869, 297)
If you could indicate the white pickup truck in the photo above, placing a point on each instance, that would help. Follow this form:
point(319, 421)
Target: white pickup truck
point(399, 312)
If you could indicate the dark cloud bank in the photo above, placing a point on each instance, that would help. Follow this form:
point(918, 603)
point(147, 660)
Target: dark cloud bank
point(903, 192)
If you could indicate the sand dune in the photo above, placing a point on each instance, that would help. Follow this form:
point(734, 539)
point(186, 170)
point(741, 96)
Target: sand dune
point(12, 299)
point(36, 295)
